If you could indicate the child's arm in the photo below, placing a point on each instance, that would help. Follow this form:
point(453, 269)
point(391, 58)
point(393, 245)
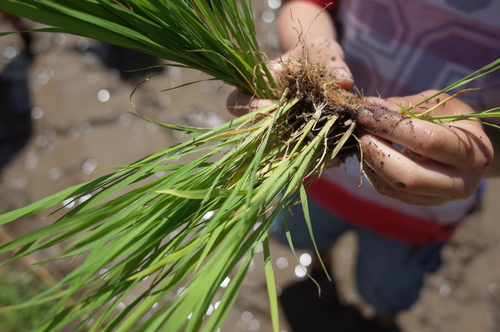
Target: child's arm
point(302, 27)
point(305, 27)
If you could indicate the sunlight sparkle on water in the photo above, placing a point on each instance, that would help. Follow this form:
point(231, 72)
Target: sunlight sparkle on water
point(68, 203)
point(305, 259)
point(300, 271)
point(274, 4)
point(268, 16)
point(103, 95)
point(210, 310)
point(36, 112)
point(225, 282)
point(282, 263)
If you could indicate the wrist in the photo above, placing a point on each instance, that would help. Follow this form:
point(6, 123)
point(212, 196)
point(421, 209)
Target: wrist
point(327, 47)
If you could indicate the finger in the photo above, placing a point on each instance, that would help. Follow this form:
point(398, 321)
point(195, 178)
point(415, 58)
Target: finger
point(385, 189)
point(342, 78)
point(397, 104)
point(416, 175)
point(449, 144)
point(240, 103)
point(331, 55)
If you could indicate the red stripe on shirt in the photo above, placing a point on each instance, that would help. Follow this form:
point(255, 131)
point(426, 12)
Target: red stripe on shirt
point(379, 219)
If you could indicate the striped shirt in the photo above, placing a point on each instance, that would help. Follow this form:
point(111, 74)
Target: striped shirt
point(397, 48)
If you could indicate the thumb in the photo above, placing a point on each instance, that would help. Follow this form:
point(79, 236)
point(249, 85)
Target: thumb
point(240, 103)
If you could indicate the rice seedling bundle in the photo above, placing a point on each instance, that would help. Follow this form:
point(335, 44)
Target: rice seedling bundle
point(203, 220)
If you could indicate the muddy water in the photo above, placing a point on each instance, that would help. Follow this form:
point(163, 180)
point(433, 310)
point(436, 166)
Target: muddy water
point(82, 118)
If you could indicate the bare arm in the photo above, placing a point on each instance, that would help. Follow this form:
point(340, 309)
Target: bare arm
point(303, 17)
point(305, 28)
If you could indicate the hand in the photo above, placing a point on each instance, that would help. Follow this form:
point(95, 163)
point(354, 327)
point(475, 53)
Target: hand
point(323, 50)
point(327, 52)
point(439, 162)
point(304, 28)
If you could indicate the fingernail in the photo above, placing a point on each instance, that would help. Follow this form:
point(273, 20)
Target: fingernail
point(374, 101)
point(341, 73)
point(276, 67)
point(364, 113)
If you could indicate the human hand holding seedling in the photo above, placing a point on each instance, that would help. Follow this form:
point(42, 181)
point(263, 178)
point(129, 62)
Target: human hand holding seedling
point(438, 163)
point(306, 31)
point(324, 51)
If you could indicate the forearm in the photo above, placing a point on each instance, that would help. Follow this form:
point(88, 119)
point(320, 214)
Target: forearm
point(306, 18)
point(304, 29)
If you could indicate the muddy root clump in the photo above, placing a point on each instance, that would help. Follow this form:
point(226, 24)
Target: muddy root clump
point(320, 98)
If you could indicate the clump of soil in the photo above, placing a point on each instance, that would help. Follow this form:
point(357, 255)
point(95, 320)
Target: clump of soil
point(320, 98)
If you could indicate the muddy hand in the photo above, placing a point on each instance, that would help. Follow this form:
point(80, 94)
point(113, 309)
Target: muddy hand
point(329, 53)
point(305, 28)
point(325, 51)
point(438, 163)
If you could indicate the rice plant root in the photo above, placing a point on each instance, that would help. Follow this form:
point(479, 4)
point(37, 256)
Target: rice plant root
point(320, 98)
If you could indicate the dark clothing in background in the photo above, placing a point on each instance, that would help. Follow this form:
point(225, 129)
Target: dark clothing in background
point(15, 108)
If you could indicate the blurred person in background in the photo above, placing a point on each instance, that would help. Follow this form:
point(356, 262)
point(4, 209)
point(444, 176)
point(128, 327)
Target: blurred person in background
point(15, 105)
point(16, 125)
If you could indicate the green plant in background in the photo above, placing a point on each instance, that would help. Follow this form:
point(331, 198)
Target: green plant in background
point(17, 287)
point(216, 38)
point(202, 221)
